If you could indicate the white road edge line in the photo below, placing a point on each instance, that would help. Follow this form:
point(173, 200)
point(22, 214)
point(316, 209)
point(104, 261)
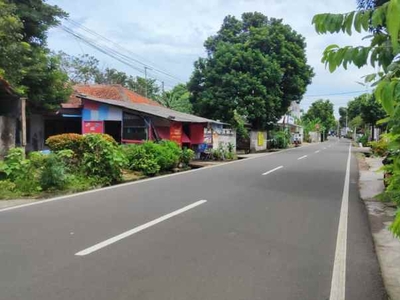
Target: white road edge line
point(137, 229)
point(273, 170)
point(304, 156)
point(317, 151)
point(338, 284)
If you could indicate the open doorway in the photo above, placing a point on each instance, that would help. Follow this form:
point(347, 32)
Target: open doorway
point(113, 128)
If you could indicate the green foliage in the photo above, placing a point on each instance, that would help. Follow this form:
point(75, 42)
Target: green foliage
point(177, 99)
point(239, 124)
point(71, 141)
point(218, 154)
point(256, 66)
point(383, 51)
point(53, 175)
point(8, 189)
point(363, 140)
point(322, 110)
point(186, 156)
point(25, 62)
point(14, 163)
point(102, 158)
point(380, 148)
point(37, 159)
point(280, 139)
point(20, 171)
point(139, 159)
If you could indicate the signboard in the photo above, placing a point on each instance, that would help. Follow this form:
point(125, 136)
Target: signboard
point(260, 138)
point(92, 127)
point(175, 132)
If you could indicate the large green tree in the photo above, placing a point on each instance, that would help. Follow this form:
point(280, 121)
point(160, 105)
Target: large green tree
point(255, 66)
point(177, 99)
point(322, 110)
point(25, 61)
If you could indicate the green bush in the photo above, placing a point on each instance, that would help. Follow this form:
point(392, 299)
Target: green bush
point(53, 175)
point(102, 158)
point(14, 164)
point(218, 154)
point(8, 189)
point(37, 159)
point(141, 160)
point(166, 154)
point(80, 182)
point(363, 140)
point(380, 148)
point(186, 156)
point(280, 139)
point(70, 141)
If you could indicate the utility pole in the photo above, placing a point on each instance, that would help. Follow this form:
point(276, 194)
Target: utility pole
point(162, 87)
point(347, 116)
point(23, 122)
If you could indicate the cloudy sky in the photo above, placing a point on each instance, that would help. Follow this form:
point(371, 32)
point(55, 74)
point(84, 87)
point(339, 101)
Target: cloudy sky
point(169, 36)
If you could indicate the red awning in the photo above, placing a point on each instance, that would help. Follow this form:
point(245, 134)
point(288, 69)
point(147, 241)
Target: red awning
point(163, 132)
point(185, 139)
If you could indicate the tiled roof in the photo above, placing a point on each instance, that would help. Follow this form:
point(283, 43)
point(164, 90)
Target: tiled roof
point(106, 91)
point(159, 111)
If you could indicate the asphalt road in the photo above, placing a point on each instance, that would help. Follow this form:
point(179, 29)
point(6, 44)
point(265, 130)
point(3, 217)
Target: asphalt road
point(253, 236)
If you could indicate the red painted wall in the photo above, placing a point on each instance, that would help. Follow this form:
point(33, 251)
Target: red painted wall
point(197, 133)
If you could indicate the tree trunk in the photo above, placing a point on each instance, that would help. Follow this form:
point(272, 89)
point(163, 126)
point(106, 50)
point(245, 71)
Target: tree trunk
point(373, 133)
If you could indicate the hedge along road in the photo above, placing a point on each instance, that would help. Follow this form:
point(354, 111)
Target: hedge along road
point(226, 232)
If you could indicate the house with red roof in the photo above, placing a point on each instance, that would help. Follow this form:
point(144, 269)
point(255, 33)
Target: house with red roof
point(129, 118)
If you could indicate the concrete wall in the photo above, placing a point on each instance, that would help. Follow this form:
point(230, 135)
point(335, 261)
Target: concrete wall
point(7, 134)
point(36, 133)
point(315, 137)
point(258, 141)
point(220, 137)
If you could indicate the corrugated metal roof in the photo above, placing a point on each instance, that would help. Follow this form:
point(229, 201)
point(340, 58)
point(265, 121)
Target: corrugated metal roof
point(159, 111)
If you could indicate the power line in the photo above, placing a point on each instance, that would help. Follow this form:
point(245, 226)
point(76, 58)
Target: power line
point(336, 94)
point(155, 69)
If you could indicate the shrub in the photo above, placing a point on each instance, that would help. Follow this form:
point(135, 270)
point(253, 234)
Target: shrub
point(53, 175)
point(380, 148)
point(280, 139)
point(80, 182)
point(169, 155)
point(14, 163)
point(37, 159)
point(363, 140)
point(139, 159)
point(7, 189)
point(20, 171)
point(186, 156)
point(102, 158)
point(166, 154)
point(218, 154)
point(71, 141)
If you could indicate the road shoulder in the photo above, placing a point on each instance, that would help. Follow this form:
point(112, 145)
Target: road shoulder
point(380, 216)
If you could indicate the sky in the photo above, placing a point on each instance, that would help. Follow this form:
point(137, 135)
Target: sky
point(168, 35)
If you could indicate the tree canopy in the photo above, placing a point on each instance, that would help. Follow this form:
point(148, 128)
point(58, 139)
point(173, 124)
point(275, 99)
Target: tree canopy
point(322, 110)
point(255, 66)
point(25, 61)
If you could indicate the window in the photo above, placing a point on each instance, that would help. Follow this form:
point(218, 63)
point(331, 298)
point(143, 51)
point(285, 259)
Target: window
point(135, 127)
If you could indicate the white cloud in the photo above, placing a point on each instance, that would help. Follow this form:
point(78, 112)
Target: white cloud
point(170, 34)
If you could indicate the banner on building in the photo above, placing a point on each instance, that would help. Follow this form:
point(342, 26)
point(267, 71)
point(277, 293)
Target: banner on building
point(175, 133)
